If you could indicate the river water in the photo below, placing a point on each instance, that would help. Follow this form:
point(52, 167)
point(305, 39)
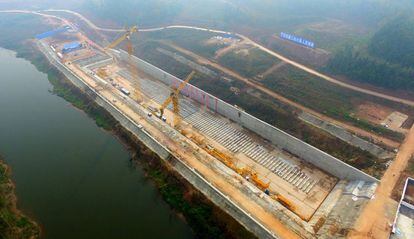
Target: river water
point(72, 177)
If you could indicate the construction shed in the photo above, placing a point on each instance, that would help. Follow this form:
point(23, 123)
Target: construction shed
point(73, 46)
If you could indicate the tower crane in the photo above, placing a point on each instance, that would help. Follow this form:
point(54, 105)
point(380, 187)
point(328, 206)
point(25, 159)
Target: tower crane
point(126, 35)
point(130, 50)
point(173, 98)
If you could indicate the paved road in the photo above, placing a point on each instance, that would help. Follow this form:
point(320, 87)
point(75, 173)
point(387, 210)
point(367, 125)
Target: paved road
point(263, 48)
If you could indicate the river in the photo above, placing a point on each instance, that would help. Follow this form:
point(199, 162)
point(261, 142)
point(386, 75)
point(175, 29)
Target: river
point(73, 178)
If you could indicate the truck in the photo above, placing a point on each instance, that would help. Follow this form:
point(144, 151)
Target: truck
point(125, 91)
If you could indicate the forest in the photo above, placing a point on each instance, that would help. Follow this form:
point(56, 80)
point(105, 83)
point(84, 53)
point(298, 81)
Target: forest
point(385, 60)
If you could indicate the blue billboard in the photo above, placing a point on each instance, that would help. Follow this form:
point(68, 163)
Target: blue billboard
point(297, 39)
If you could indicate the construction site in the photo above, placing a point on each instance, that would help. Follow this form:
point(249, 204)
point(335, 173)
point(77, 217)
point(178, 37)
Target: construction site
point(274, 184)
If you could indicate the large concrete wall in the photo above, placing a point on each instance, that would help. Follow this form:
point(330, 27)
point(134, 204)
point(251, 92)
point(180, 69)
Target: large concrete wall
point(185, 171)
point(346, 136)
point(283, 140)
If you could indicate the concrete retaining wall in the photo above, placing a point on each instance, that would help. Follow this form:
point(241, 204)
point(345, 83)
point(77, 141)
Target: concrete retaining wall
point(283, 140)
point(188, 173)
point(346, 136)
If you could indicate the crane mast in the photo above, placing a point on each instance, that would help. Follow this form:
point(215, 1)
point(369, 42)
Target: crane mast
point(130, 49)
point(173, 98)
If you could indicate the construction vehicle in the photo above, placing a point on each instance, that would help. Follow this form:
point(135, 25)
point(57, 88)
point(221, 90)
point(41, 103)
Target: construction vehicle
point(248, 173)
point(284, 201)
point(130, 49)
point(224, 158)
point(102, 73)
point(259, 183)
point(173, 98)
point(245, 172)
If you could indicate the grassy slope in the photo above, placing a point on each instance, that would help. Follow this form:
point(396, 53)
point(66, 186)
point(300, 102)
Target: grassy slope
point(251, 64)
point(328, 98)
point(189, 39)
point(385, 59)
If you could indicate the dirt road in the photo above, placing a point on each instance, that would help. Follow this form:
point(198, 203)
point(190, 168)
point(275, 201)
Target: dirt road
point(272, 69)
point(225, 50)
point(263, 89)
point(328, 78)
point(374, 221)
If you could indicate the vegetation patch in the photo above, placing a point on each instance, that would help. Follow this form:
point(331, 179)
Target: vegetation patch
point(148, 52)
point(327, 98)
point(399, 186)
point(189, 39)
point(386, 59)
point(248, 62)
point(13, 224)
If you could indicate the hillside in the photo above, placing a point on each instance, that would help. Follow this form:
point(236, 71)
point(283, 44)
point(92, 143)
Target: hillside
point(394, 41)
point(386, 59)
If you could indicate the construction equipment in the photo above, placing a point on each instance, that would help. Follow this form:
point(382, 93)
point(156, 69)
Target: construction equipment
point(130, 50)
point(173, 98)
point(245, 172)
point(284, 201)
point(102, 73)
point(126, 35)
point(224, 158)
point(259, 183)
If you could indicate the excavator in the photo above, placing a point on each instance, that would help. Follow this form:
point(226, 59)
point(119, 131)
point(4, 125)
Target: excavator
point(173, 98)
point(130, 49)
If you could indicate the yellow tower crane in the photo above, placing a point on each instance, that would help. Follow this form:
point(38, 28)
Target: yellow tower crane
point(126, 35)
point(130, 50)
point(173, 98)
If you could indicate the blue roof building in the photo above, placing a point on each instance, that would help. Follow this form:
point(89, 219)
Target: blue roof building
point(72, 46)
point(52, 32)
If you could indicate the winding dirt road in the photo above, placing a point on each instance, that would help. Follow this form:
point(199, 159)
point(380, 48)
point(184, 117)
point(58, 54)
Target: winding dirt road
point(203, 61)
point(263, 48)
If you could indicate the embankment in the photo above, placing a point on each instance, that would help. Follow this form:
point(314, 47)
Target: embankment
point(187, 175)
point(13, 223)
point(208, 212)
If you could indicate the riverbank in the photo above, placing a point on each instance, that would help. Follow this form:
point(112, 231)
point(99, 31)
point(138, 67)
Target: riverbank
point(206, 219)
point(13, 223)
